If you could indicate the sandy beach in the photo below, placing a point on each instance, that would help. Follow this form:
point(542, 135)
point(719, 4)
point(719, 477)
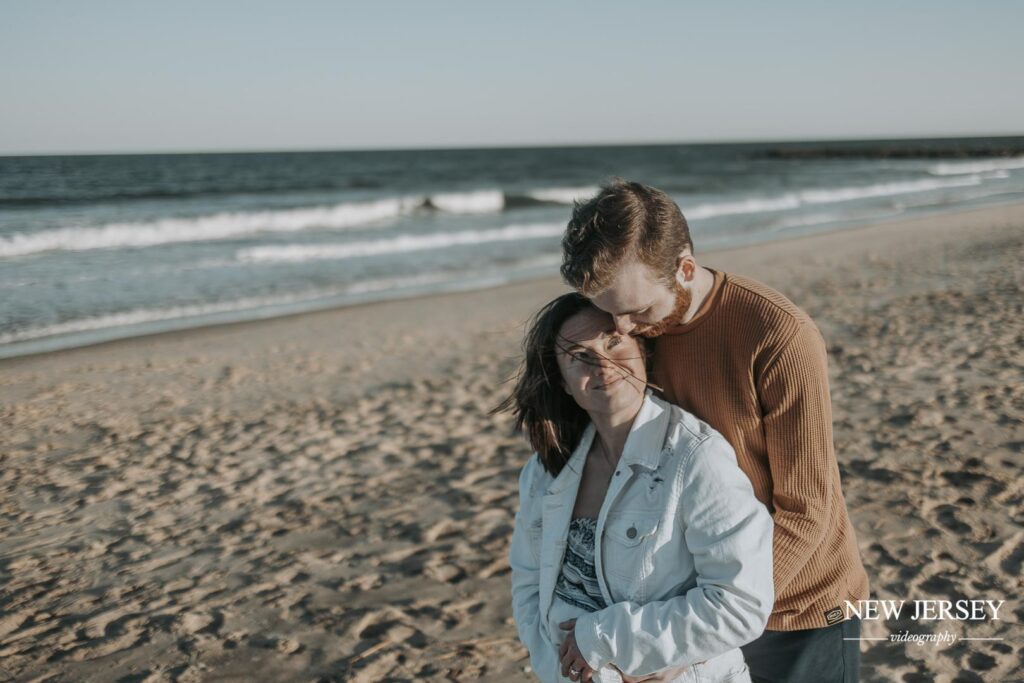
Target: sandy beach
point(324, 497)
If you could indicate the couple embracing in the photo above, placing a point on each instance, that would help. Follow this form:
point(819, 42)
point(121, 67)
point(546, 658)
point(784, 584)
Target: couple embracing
point(681, 518)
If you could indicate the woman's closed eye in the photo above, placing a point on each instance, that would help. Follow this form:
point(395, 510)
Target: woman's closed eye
point(581, 356)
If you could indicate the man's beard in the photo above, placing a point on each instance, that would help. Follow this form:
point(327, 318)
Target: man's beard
point(679, 309)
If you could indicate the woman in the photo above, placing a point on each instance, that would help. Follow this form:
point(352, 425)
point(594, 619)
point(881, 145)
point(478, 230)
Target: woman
point(639, 550)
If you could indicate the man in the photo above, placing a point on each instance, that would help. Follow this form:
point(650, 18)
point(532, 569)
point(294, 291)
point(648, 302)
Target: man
point(746, 360)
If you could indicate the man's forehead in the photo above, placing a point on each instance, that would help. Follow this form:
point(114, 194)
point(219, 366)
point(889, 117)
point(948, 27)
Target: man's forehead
point(629, 290)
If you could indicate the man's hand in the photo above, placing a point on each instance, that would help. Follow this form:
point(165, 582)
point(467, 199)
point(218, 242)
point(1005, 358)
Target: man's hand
point(571, 657)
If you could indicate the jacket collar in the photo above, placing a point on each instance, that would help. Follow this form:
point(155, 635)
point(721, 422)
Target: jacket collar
point(643, 443)
point(574, 467)
point(647, 435)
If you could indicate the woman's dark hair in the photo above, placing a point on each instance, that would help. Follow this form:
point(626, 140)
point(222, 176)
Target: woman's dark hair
point(548, 415)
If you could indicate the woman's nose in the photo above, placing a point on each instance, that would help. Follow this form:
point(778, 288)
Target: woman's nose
point(604, 368)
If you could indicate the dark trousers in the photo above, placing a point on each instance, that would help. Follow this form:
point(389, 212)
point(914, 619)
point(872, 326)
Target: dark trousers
point(817, 655)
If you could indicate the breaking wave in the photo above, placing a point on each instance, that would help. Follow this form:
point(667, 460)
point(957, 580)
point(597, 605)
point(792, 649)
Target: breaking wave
point(794, 200)
point(963, 167)
point(299, 253)
point(221, 226)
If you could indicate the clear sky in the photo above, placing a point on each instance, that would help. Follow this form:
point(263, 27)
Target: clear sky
point(179, 75)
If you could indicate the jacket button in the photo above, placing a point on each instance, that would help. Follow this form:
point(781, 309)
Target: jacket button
point(616, 474)
point(631, 532)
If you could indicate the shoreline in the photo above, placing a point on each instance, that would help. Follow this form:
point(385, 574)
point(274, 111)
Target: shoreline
point(714, 255)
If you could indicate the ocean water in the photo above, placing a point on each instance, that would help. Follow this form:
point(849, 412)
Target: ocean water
point(100, 247)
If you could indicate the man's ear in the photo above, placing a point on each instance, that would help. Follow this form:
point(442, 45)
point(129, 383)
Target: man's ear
point(686, 266)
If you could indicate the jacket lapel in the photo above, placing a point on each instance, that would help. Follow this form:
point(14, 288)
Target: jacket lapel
point(643, 447)
point(558, 502)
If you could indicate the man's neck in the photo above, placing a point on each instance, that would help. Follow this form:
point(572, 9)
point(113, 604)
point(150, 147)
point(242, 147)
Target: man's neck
point(703, 281)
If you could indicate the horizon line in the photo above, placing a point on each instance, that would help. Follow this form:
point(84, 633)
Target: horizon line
point(453, 148)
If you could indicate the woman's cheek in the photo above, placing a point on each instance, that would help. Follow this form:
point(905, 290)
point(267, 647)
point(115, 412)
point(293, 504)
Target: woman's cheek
point(577, 381)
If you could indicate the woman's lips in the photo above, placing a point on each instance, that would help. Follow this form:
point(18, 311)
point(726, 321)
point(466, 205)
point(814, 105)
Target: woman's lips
point(604, 387)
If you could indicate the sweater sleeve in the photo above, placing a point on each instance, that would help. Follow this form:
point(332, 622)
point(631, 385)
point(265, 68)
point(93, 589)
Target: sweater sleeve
point(797, 417)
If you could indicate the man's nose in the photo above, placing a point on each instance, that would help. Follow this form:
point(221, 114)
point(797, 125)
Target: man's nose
point(623, 325)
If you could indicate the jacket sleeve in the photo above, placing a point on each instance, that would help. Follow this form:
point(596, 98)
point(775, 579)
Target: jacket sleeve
point(729, 533)
point(794, 395)
point(523, 554)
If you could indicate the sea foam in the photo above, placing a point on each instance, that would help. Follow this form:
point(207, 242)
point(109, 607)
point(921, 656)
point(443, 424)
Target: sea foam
point(306, 299)
point(962, 167)
point(483, 201)
point(563, 195)
point(221, 226)
point(140, 316)
point(794, 200)
point(299, 253)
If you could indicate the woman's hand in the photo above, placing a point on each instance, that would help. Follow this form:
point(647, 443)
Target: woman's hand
point(573, 665)
point(571, 657)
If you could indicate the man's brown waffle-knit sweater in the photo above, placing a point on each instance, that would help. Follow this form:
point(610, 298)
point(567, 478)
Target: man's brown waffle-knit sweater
point(754, 367)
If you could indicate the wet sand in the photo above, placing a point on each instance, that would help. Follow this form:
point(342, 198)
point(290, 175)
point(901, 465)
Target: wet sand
point(324, 497)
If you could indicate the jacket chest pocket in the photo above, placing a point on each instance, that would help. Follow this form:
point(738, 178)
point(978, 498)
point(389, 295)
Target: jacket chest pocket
point(625, 548)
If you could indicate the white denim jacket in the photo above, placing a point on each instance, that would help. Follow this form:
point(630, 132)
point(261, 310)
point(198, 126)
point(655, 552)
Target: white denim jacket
point(683, 553)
